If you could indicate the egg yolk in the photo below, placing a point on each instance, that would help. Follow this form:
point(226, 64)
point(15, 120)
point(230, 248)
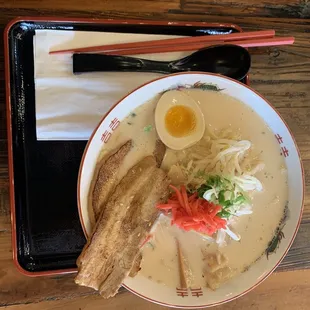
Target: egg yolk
point(180, 121)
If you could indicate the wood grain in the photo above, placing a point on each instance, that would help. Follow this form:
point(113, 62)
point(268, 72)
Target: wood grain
point(275, 288)
point(96, 5)
point(271, 8)
point(281, 74)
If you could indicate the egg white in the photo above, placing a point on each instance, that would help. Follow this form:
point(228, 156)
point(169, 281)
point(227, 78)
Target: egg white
point(167, 101)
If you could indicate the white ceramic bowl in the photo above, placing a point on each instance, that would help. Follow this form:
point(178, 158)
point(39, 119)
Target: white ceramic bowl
point(239, 285)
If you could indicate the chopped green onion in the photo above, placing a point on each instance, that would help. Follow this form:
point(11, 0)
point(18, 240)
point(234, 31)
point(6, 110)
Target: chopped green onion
point(224, 192)
point(148, 128)
point(239, 200)
point(224, 214)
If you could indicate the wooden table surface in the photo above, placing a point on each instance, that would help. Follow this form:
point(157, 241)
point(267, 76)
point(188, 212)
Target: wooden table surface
point(281, 74)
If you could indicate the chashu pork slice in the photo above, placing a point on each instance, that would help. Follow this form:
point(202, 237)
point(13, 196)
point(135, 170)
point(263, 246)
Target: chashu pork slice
point(129, 214)
point(136, 267)
point(159, 152)
point(107, 178)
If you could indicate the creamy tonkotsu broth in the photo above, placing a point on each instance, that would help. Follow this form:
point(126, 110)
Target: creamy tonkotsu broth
point(221, 112)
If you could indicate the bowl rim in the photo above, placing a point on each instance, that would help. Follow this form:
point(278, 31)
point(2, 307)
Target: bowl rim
point(303, 188)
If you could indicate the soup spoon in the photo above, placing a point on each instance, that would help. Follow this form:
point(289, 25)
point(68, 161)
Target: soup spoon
point(230, 60)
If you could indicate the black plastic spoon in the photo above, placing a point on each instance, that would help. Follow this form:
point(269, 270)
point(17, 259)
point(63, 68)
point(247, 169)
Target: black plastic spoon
point(230, 60)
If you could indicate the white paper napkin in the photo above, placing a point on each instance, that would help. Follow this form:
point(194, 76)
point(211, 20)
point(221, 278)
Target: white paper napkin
point(69, 107)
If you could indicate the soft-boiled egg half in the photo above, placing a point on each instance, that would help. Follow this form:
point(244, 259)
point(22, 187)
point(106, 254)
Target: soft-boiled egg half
point(179, 120)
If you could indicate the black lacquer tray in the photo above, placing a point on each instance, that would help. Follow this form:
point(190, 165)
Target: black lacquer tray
point(47, 235)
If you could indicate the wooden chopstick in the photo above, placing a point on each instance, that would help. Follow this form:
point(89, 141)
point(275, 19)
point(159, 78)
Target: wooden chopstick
point(197, 46)
point(164, 49)
point(173, 42)
point(267, 42)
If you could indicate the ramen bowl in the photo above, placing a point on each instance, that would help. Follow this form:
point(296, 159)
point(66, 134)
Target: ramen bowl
point(284, 233)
